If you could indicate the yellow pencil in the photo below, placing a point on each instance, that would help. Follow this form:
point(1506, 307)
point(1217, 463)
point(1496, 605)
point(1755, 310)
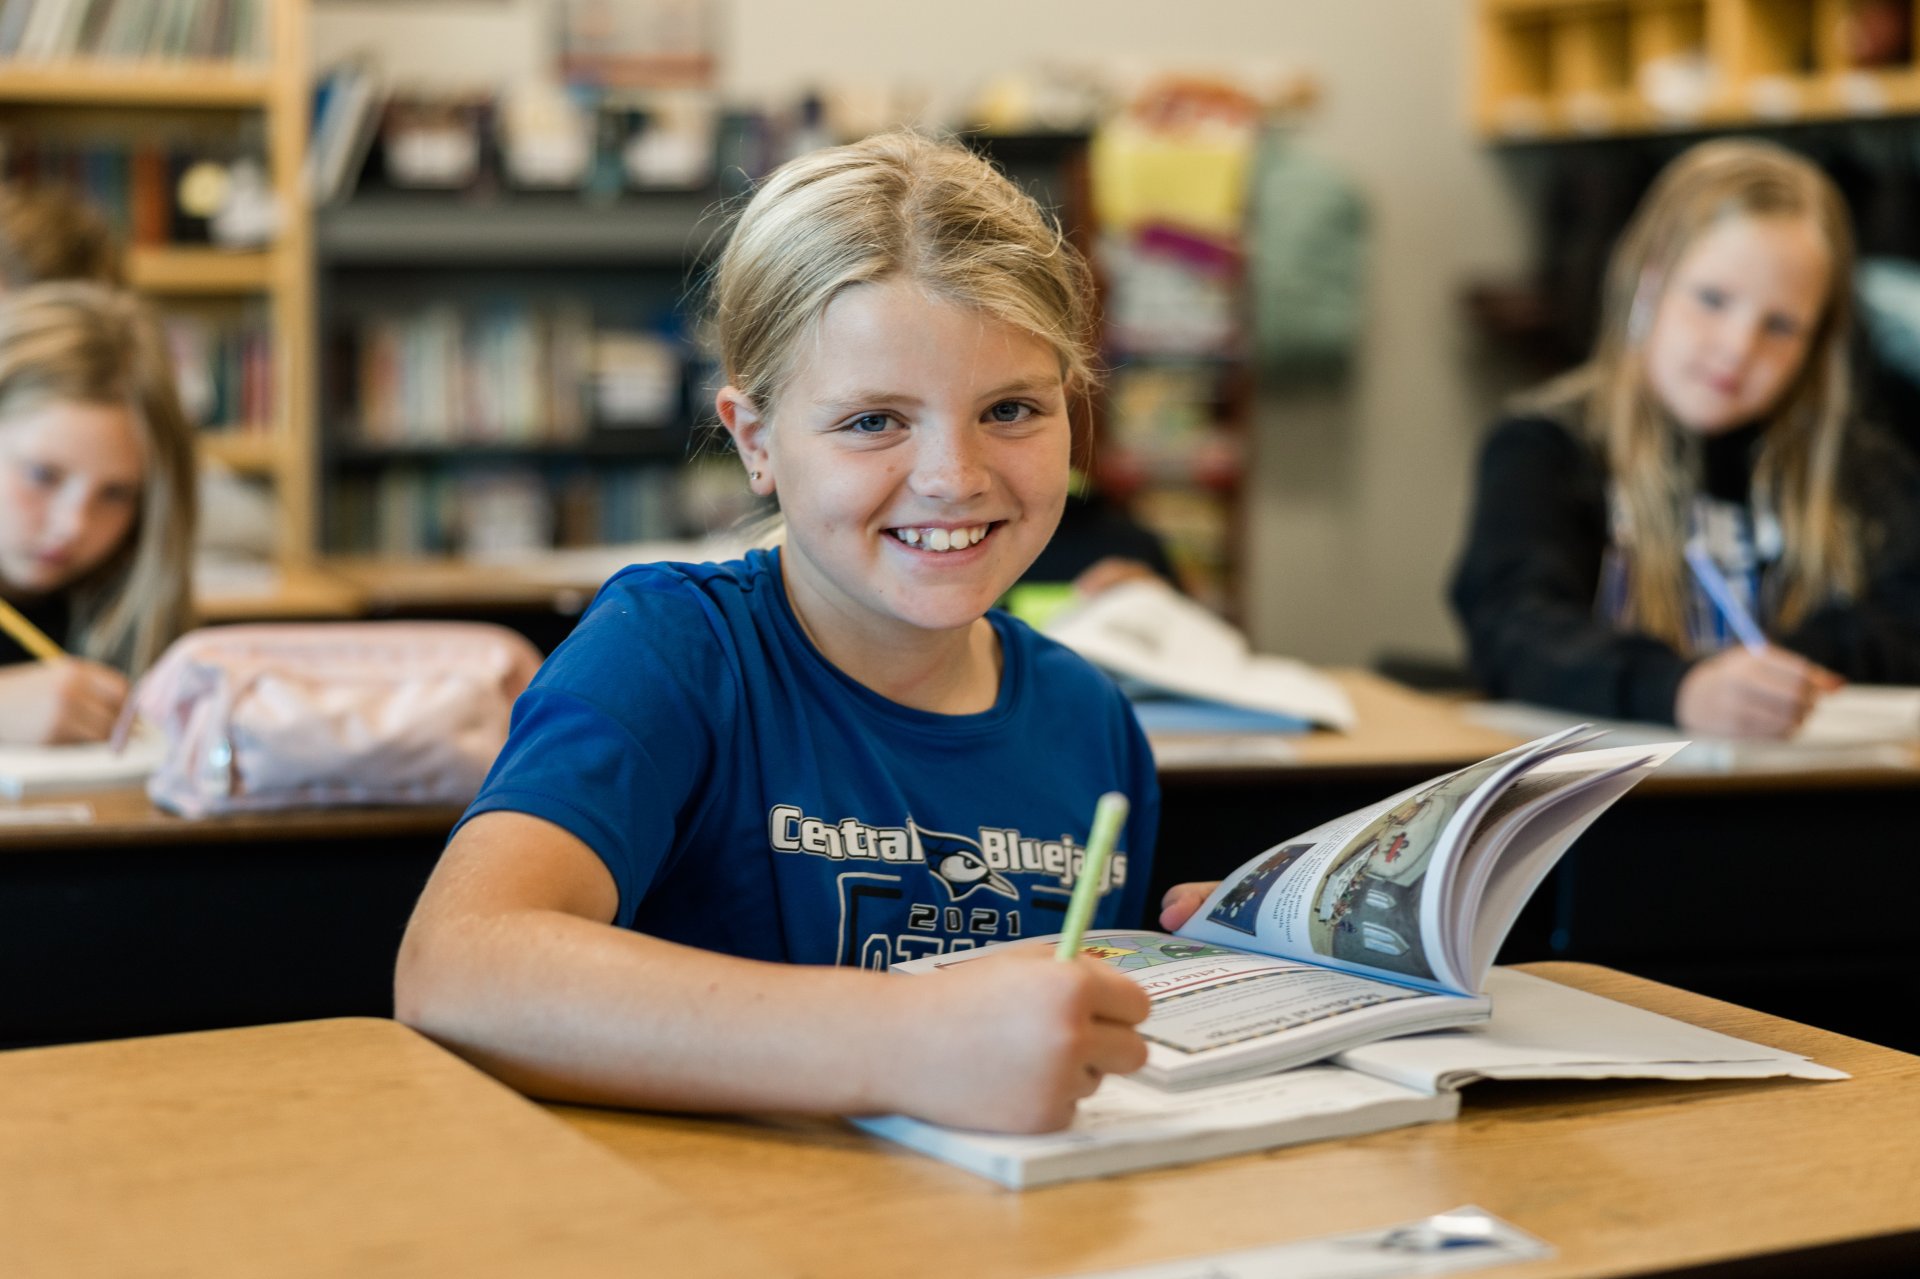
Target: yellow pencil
point(27, 635)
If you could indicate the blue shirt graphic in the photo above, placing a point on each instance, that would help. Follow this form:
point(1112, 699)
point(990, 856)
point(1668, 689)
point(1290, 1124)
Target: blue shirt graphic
point(749, 798)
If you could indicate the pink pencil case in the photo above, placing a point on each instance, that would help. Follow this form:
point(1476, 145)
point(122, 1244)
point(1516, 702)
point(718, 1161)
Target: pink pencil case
point(293, 715)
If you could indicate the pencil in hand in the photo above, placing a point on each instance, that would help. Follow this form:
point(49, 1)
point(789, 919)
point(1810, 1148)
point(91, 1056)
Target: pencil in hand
point(1108, 815)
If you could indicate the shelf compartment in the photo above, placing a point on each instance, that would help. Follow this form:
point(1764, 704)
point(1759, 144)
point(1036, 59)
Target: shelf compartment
point(666, 229)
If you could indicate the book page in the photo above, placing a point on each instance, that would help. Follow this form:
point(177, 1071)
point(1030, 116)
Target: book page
point(1543, 1030)
point(36, 770)
point(1349, 894)
point(1221, 1013)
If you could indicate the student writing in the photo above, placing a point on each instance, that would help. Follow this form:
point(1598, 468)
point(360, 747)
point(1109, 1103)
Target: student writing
point(1713, 415)
point(96, 505)
point(832, 752)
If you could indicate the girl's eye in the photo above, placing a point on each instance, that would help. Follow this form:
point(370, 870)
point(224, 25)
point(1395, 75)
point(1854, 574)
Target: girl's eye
point(43, 477)
point(1010, 411)
point(1711, 298)
point(1782, 326)
point(119, 496)
point(870, 424)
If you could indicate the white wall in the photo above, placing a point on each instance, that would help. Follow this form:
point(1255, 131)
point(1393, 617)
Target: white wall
point(1359, 494)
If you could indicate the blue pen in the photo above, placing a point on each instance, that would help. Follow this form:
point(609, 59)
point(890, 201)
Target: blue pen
point(1738, 620)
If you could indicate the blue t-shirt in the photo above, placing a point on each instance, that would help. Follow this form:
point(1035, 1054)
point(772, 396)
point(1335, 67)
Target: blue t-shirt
point(748, 797)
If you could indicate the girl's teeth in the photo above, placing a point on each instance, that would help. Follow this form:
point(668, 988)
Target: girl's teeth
point(941, 539)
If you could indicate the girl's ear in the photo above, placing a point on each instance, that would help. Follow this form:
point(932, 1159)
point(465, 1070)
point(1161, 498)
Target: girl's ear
point(752, 437)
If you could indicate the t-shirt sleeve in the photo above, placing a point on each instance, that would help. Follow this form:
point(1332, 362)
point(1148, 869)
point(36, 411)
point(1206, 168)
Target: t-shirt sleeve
point(1524, 589)
point(613, 740)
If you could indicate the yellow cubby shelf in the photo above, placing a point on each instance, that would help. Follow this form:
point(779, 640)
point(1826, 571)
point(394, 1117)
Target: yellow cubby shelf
point(248, 450)
point(1561, 69)
point(190, 85)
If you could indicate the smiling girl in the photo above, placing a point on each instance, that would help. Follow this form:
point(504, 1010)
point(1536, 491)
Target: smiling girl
point(740, 788)
point(1714, 414)
point(96, 505)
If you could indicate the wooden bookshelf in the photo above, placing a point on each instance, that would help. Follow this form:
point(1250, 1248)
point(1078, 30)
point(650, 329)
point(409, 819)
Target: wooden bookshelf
point(1556, 69)
point(124, 98)
point(199, 271)
point(247, 451)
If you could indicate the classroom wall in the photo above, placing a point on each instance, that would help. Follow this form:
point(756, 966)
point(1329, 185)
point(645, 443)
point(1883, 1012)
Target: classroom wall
point(1359, 490)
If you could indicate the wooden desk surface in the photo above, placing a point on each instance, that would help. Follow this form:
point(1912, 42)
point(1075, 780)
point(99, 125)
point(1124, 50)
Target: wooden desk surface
point(1619, 1177)
point(124, 816)
point(326, 1148)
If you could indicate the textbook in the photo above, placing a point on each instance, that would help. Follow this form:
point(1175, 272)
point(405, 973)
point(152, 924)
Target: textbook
point(1189, 672)
point(1382, 922)
point(1539, 1030)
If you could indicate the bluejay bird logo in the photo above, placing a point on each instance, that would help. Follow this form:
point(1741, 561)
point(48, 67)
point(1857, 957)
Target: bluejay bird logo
point(956, 862)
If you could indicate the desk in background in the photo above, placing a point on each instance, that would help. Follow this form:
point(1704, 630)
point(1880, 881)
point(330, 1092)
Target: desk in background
point(139, 922)
point(354, 1147)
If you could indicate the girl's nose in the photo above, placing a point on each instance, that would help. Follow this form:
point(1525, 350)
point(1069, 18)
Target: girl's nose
point(949, 465)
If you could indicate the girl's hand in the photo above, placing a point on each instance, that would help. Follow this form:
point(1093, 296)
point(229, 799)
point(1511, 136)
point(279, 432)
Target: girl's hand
point(59, 703)
point(1740, 693)
point(1177, 907)
point(1011, 1044)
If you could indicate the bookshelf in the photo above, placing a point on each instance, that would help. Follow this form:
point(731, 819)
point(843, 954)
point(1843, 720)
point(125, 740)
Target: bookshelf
point(1552, 69)
point(261, 96)
point(463, 353)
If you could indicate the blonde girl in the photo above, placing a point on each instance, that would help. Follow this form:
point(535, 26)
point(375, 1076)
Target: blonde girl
point(96, 504)
point(739, 790)
point(1714, 416)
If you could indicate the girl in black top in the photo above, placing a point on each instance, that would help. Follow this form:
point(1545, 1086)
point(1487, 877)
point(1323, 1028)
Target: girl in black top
point(1713, 415)
point(96, 504)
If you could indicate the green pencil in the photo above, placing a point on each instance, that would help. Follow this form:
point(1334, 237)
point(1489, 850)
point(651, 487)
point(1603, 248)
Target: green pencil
point(1108, 814)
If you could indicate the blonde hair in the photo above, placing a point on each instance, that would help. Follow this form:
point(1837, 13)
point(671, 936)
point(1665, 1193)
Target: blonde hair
point(49, 233)
point(1652, 461)
point(87, 344)
point(895, 205)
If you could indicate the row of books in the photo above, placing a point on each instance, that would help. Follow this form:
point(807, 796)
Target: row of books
point(224, 367)
point(405, 512)
point(52, 30)
point(136, 188)
point(510, 372)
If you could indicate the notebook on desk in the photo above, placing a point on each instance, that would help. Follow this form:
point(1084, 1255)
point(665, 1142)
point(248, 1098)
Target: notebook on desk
point(26, 771)
point(1858, 727)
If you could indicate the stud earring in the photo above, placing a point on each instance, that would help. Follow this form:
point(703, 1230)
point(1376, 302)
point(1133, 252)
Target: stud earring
point(754, 475)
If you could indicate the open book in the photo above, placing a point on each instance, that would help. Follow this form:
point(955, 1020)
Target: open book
point(1378, 923)
point(1189, 672)
point(1539, 1030)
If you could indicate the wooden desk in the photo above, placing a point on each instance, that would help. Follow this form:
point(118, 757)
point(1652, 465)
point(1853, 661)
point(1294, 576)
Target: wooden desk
point(1619, 1177)
point(327, 1148)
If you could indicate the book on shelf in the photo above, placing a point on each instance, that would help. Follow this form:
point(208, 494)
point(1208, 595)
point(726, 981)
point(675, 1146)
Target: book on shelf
point(224, 367)
point(1186, 670)
point(136, 186)
point(63, 30)
point(1539, 1030)
point(513, 372)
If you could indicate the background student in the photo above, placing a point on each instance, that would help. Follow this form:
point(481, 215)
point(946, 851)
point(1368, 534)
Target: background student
point(48, 233)
point(96, 505)
point(1712, 414)
point(829, 753)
